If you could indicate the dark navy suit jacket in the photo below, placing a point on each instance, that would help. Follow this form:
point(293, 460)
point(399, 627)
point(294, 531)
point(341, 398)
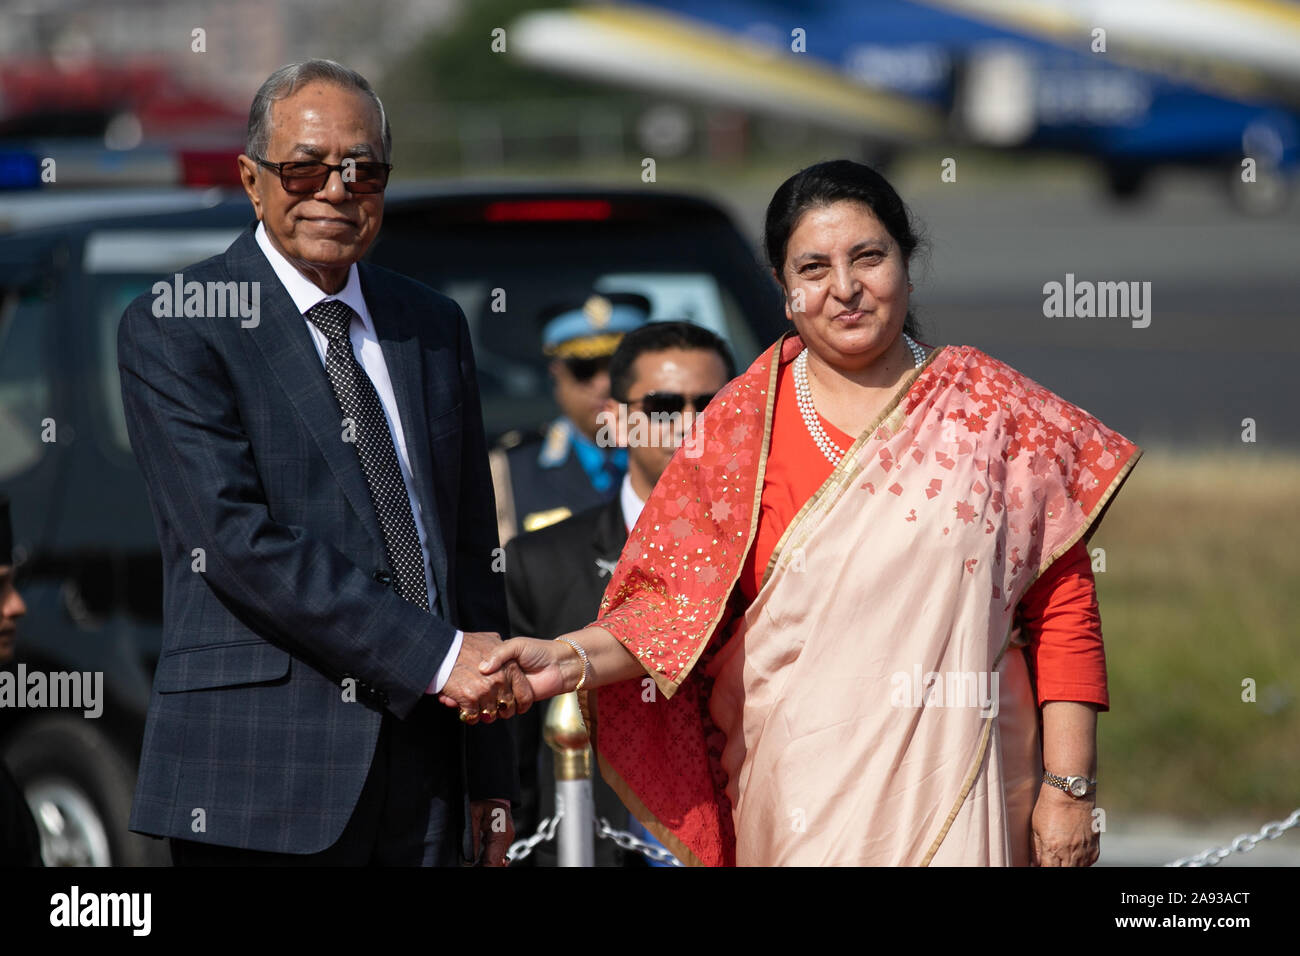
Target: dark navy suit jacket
point(237, 431)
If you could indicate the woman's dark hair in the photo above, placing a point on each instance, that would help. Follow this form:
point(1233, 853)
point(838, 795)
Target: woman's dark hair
point(830, 182)
point(659, 337)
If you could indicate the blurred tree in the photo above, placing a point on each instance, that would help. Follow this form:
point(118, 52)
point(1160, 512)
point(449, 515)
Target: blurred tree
point(459, 65)
point(453, 88)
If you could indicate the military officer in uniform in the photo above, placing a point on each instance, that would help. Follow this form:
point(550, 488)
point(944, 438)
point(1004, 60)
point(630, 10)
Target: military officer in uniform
point(543, 478)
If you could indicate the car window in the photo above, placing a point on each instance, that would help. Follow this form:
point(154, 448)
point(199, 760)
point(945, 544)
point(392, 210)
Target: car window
point(112, 294)
point(506, 277)
point(121, 264)
point(24, 379)
point(151, 251)
point(693, 296)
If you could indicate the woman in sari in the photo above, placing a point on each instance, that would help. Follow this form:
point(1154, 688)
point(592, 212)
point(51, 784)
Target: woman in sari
point(855, 623)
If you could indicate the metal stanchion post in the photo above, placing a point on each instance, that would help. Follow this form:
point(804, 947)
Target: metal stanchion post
point(567, 736)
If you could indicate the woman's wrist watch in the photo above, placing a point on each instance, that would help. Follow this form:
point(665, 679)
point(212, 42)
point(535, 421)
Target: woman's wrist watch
point(1074, 785)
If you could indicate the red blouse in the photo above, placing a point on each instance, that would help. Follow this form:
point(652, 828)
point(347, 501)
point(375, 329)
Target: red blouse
point(1058, 613)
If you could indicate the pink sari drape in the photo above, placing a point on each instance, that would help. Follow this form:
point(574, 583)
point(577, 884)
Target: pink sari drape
point(867, 707)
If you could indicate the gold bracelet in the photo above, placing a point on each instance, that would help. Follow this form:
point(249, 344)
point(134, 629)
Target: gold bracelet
point(581, 653)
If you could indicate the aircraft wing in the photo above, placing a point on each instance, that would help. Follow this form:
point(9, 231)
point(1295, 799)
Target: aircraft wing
point(662, 50)
point(1238, 48)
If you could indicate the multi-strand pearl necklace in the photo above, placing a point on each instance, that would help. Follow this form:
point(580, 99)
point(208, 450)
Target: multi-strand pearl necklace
point(833, 452)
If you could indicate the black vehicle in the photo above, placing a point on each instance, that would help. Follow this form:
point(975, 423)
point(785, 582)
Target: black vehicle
point(89, 568)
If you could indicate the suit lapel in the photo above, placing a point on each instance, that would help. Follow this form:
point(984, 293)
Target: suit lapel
point(285, 343)
point(400, 343)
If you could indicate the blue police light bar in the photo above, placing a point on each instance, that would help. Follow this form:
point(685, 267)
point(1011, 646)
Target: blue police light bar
point(86, 164)
point(19, 169)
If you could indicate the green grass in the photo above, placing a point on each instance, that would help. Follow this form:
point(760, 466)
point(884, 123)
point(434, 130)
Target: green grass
point(1200, 592)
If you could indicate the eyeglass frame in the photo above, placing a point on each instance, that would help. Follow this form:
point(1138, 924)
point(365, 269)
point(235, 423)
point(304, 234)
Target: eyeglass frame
point(691, 400)
point(330, 169)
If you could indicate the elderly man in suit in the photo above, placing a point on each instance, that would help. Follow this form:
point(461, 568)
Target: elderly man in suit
point(663, 373)
point(320, 486)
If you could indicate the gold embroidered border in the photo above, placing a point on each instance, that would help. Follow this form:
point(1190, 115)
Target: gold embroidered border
point(1120, 477)
point(625, 793)
point(840, 475)
point(965, 789)
point(1110, 492)
point(587, 704)
point(754, 511)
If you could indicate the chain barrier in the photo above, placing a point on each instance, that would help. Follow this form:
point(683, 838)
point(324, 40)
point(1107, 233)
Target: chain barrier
point(1242, 844)
point(520, 849)
point(627, 841)
point(1211, 857)
point(545, 831)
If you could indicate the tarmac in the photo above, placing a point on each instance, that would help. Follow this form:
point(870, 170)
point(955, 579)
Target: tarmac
point(1156, 841)
point(1223, 340)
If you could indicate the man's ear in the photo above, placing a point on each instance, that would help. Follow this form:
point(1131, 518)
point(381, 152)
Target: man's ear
point(248, 179)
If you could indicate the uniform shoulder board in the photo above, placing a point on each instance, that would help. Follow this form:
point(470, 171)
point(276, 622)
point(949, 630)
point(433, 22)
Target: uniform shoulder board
point(538, 520)
point(556, 444)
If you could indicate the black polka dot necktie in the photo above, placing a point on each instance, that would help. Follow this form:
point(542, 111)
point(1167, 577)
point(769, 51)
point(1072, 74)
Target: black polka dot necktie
point(359, 402)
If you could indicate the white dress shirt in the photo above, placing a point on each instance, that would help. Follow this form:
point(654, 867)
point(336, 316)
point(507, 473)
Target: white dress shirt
point(366, 348)
point(631, 502)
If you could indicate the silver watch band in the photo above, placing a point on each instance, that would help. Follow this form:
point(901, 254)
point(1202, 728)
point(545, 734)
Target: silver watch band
point(1074, 785)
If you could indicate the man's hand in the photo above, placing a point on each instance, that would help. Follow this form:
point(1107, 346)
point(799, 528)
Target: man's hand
point(491, 825)
point(1063, 833)
point(485, 696)
point(553, 667)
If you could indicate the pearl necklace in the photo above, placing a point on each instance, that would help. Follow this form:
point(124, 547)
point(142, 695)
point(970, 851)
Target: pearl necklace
point(833, 452)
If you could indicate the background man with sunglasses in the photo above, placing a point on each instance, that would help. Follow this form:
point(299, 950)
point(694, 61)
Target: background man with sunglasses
point(320, 486)
point(563, 469)
point(555, 577)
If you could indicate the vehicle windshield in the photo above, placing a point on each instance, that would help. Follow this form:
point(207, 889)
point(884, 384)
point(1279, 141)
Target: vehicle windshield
point(513, 379)
point(506, 278)
point(24, 387)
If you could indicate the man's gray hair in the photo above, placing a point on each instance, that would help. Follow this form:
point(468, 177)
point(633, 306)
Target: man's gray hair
point(286, 81)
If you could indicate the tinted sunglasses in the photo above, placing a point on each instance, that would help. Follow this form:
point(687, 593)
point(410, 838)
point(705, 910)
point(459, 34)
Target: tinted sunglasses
point(310, 177)
point(585, 369)
point(671, 403)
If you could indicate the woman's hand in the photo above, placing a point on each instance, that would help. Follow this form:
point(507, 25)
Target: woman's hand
point(548, 665)
point(555, 667)
point(1063, 830)
point(1062, 824)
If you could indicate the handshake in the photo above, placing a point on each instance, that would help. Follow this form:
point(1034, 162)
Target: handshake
point(497, 679)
